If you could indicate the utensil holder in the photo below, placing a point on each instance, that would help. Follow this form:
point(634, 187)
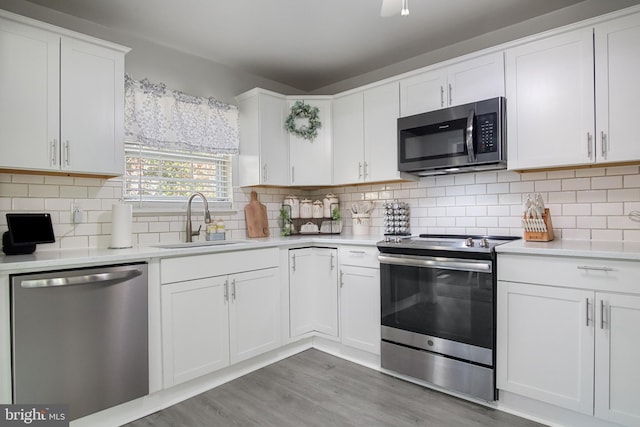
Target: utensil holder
point(361, 224)
point(529, 224)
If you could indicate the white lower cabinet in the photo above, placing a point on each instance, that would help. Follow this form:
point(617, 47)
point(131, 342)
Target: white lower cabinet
point(360, 308)
point(360, 298)
point(573, 346)
point(313, 290)
point(211, 322)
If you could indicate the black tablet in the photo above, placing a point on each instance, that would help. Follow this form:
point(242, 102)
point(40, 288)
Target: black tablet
point(30, 228)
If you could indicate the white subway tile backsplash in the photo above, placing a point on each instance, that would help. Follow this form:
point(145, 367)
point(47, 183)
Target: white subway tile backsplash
point(548, 185)
point(39, 190)
point(560, 174)
point(476, 189)
point(464, 179)
point(576, 234)
point(592, 222)
point(606, 182)
point(73, 192)
point(455, 191)
point(26, 204)
point(607, 208)
point(436, 192)
point(561, 197)
point(477, 211)
point(631, 181)
point(27, 179)
point(591, 196)
point(589, 172)
point(627, 195)
point(606, 234)
point(622, 170)
point(486, 177)
point(576, 209)
point(576, 184)
point(14, 190)
point(498, 188)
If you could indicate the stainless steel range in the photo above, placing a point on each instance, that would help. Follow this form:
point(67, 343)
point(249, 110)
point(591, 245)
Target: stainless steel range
point(438, 310)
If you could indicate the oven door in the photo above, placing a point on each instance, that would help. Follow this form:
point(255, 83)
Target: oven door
point(443, 305)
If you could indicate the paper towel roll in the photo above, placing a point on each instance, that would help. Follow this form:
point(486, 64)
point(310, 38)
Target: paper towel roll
point(121, 218)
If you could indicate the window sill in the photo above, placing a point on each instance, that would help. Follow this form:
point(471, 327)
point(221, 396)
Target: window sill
point(196, 209)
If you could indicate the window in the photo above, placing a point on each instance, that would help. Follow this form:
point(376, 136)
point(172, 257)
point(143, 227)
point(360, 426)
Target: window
point(157, 175)
point(176, 144)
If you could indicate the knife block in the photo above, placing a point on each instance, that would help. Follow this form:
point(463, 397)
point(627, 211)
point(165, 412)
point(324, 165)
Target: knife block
point(541, 236)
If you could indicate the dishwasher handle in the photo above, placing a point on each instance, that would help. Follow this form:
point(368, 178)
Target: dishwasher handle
point(111, 276)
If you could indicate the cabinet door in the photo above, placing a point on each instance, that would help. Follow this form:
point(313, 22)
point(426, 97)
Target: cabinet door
point(326, 291)
point(195, 329)
point(274, 141)
point(381, 112)
point(476, 79)
point(29, 104)
point(310, 161)
point(549, 88)
point(617, 89)
point(302, 284)
point(360, 308)
point(348, 139)
point(91, 108)
point(254, 313)
point(617, 354)
point(545, 348)
point(423, 92)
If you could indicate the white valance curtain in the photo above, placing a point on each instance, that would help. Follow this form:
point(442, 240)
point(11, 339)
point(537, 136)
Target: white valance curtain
point(168, 119)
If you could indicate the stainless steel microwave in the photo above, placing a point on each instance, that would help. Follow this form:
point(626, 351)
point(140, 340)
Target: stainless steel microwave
point(470, 137)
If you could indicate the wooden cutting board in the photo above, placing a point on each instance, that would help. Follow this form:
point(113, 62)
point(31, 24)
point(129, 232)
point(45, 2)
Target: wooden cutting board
point(255, 214)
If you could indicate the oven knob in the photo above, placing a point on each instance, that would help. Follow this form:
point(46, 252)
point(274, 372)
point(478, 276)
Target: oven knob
point(468, 242)
point(398, 240)
point(387, 239)
point(484, 243)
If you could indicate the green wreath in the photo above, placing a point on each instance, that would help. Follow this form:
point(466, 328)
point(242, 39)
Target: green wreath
point(302, 110)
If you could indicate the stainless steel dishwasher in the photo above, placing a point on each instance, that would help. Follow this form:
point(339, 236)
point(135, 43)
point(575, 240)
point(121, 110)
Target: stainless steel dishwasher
point(80, 337)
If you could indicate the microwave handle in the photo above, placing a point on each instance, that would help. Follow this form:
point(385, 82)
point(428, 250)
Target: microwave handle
point(469, 139)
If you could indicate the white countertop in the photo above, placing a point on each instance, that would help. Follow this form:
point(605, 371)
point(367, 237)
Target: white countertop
point(67, 258)
point(575, 248)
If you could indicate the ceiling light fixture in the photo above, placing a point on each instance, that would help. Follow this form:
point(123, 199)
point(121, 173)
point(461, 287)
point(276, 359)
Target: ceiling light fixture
point(405, 8)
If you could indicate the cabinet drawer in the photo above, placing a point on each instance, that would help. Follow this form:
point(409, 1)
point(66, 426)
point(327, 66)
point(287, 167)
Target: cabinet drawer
point(360, 256)
point(216, 264)
point(582, 273)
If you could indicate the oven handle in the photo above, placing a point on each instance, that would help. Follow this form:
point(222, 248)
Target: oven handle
point(469, 138)
point(432, 262)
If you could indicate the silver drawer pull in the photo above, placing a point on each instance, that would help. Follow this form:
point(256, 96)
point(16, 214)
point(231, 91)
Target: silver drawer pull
point(82, 280)
point(587, 267)
point(357, 252)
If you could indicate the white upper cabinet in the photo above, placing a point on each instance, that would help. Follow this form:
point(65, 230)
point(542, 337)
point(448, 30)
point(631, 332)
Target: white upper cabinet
point(550, 101)
point(29, 76)
point(550, 97)
point(365, 135)
point(264, 142)
point(467, 81)
point(348, 139)
point(62, 101)
point(310, 161)
point(381, 112)
point(91, 108)
point(617, 89)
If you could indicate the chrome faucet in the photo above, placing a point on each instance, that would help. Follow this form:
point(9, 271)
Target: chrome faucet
point(207, 216)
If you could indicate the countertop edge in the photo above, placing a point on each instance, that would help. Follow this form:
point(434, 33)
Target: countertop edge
point(615, 250)
point(69, 258)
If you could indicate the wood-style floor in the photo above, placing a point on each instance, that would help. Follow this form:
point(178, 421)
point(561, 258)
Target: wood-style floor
point(313, 388)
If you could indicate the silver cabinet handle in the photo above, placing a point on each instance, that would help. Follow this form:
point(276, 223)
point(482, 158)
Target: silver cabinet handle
point(441, 96)
point(365, 170)
point(450, 95)
point(87, 279)
point(233, 289)
point(331, 261)
point(602, 314)
point(293, 263)
point(293, 175)
point(226, 290)
point(589, 144)
point(603, 139)
point(54, 154)
point(359, 170)
point(587, 311)
point(264, 173)
point(587, 267)
point(341, 278)
point(67, 159)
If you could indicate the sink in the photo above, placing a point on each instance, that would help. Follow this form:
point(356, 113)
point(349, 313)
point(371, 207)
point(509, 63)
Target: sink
point(185, 245)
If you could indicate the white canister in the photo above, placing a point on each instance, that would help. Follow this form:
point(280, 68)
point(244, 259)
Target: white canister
point(294, 202)
point(329, 199)
point(318, 209)
point(306, 208)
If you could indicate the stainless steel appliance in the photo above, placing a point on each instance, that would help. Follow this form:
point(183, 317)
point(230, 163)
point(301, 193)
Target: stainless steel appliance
point(470, 137)
point(438, 310)
point(80, 337)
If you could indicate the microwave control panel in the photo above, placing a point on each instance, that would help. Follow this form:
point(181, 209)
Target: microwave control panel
point(487, 133)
